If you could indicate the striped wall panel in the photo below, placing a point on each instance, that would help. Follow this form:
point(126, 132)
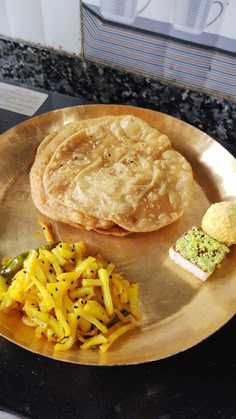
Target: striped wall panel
point(153, 55)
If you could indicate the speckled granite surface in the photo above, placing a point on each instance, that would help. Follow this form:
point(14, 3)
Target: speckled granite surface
point(48, 69)
point(195, 384)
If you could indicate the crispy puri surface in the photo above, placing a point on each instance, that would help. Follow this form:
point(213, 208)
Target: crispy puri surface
point(118, 172)
point(44, 203)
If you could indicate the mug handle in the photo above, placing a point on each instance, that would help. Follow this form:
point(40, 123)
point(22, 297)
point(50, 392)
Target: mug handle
point(144, 7)
point(220, 12)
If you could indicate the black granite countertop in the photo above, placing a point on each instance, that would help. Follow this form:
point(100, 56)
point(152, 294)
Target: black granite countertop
point(196, 384)
point(96, 83)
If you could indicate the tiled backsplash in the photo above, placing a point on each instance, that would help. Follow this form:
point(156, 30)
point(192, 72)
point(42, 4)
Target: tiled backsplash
point(193, 45)
point(53, 23)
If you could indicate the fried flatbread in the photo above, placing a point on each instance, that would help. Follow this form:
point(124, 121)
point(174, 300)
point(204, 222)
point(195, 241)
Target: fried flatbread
point(118, 173)
point(44, 203)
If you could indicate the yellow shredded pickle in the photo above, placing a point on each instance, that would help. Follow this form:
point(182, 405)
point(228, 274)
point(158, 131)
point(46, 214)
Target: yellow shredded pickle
point(70, 298)
point(47, 230)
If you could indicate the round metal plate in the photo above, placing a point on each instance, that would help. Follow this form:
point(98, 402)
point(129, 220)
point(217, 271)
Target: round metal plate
point(179, 310)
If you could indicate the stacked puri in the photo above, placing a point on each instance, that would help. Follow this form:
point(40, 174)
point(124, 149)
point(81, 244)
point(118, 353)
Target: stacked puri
point(114, 174)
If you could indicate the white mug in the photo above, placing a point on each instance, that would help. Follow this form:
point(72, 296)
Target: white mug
point(121, 11)
point(191, 15)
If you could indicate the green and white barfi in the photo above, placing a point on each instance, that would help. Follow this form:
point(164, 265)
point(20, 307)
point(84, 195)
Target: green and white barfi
point(198, 253)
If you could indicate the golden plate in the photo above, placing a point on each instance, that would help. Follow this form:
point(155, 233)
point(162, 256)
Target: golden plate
point(179, 310)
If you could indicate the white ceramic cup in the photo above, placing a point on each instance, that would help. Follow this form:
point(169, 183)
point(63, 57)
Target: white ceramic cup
point(192, 15)
point(122, 11)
